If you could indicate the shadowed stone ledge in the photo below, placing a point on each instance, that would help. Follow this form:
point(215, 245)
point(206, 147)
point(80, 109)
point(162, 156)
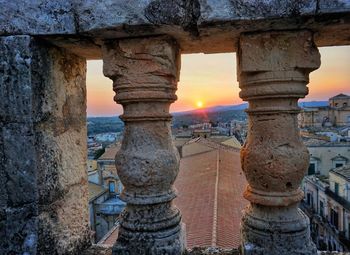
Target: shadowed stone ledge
point(107, 250)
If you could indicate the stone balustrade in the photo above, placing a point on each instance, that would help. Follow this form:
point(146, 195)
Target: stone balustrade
point(43, 180)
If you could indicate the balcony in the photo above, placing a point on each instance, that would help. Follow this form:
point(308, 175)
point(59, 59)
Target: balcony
point(340, 200)
point(43, 181)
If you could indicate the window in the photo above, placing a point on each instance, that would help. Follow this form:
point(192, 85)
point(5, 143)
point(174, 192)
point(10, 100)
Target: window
point(338, 165)
point(111, 186)
point(336, 188)
point(334, 218)
point(119, 187)
point(312, 169)
point(309, 199)
point(321, 209)
point(339, 161)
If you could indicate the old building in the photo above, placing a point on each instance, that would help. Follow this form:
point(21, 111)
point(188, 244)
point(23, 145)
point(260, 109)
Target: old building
point(327, 202)
point(105, 207)
point(107, 169)
point(43, 50)
point(326, 155)
point(337, 113)
point(105, 187)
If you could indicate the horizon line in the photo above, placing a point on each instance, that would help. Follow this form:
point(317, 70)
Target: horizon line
point(196, 109)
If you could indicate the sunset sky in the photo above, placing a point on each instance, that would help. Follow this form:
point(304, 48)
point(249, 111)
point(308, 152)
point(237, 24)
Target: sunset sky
point(211, 80)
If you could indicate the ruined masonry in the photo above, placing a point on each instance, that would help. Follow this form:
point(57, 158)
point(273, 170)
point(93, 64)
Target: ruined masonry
point(44, 46)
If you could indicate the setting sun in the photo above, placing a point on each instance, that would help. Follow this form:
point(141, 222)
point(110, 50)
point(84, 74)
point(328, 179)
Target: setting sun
point(199, 104)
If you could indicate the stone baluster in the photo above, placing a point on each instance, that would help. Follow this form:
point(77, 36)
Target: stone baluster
point(273, 70)
point(145, 73)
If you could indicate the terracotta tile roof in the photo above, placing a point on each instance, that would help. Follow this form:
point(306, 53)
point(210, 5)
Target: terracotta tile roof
point(233, 142)
point(110, 152)
point(341, 95)
point(343, 171)
point(209, 222)
point(95, 191)
point(232, 183)
point(210, 187)
point(196, 194)
point(110, 238)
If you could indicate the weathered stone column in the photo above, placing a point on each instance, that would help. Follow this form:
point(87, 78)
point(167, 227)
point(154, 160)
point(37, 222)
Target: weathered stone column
point(145, 74)
point(273, 70)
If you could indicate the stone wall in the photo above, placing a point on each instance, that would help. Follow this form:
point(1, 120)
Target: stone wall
point(43, 191)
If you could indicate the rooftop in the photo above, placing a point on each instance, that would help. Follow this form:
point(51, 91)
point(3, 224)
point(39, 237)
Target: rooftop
point(343, 171)
point(322, 142)
point(233, 142)
point(95, 191)
point(340, 96)
point(110, 152)
point(210, 187)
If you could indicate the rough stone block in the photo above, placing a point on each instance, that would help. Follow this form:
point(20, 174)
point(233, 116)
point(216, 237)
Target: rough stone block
point(19, 230)
point(335, 6)
point(60, 127)
point(226, 10)
point(3, 178)
point(15, 79)
point(63, 225)
point(60, 164)
point(44, 198)
point(19, 164)
point(125, 12)
point(36, 17)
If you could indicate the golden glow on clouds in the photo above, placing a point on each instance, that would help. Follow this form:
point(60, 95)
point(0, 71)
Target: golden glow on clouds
point(212, 79)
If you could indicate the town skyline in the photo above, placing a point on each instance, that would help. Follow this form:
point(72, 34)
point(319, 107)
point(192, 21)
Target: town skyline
point(218, 74)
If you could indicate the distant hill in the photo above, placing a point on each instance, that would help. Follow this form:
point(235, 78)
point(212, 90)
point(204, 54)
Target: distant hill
point(98, 125)
point(223, 113)
point(240, 107)
point(313, 104)
point(219, 108)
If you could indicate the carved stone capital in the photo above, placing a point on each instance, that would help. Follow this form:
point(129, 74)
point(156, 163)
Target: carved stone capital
point(145, 73)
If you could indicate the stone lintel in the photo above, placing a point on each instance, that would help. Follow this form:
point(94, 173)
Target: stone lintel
point(208, 26)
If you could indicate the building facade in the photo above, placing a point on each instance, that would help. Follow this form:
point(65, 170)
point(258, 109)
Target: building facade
point(327, 203)
point(336, 114)
point(326, 155)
